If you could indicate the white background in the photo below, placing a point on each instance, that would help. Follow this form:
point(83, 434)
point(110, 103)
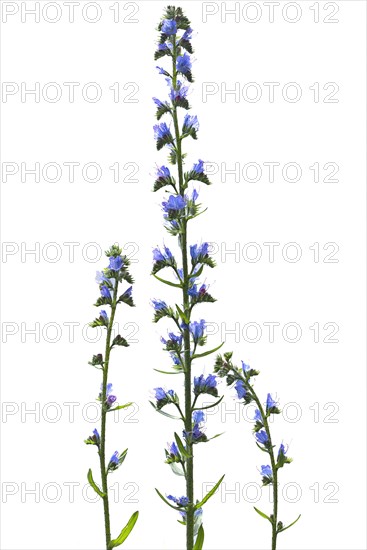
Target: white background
point(328, 446)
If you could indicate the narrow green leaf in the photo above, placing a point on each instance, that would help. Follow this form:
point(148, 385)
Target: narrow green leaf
point(167, 372)
point(182, 315)
point(262, 514)
point(197, 355)
point(94, 485)
point(166, 501)
point(208, 406)
point(199, 539)
point(288, 526)
point(166, 282)
point(215, 436)
point(181, 446)
point(120, 407)
point(126, 531)
point(208, 495)
point(164, 413)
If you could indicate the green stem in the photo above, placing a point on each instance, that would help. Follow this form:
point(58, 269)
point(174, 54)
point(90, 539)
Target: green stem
point(186, 334)
point(273, 465)
point(103, 422)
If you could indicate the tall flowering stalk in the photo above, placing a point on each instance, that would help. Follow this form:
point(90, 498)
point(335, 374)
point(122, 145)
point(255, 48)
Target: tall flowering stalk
point(108, 281)
point(179, 207)
point(241, 378)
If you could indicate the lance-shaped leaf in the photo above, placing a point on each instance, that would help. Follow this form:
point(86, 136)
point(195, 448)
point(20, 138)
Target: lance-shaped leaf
point(182, 315)
point(120, 407)
point(199, 539)
point(186, 45)
point(262, 514)
point(209, 406)
point(167, 282)
point(126, 531)
point(197, 355)
point(290, 525)
point(119, 341)
point(93, 484)
point(181, 447)
point(208, 495)
point(163, 412)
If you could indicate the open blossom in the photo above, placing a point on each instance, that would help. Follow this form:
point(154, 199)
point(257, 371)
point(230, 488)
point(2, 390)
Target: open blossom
point(197, 250)
point(159, 305)
point(240, 389)
point(266, 471)
point(159, 256)
point(169, 27)
point(161, 131)
point(205, 385)
point(262, 437)
point(105, 292)
point(181, 501)
point(116, 263)
point(183, 63)
point(197, 329)
point(174, 203)
point(163, 172)
point(198, 167)
point(190, 123)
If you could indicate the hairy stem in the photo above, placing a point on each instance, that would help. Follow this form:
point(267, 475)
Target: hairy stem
point(273, 465)
point(103, 422)
point(186, 334)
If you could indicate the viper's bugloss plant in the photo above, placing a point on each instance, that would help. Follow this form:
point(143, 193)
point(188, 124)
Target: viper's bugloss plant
point(180, 206)
point(242, 380)
point(108, 281)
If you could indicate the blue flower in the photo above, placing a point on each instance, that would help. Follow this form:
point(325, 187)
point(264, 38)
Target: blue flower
point(169, 26)
point(160, 394)
point(158, 102)
point(104, 315)
point(281, 451)
point(179, 93)
point(181, 501)
point(105, 292)
point(266, 471)
point(240, 389)
point(205, 385)
point(245, 368)
point(161, 70)
point(183, 63)
point(116, 263)
point(114, 458)
point(101, 278)
point(197, 329)
point(108, 388)
point(161, 131)
point(110, 400)
point(199, 250)
point(164, 397)
point(96, 434)
point(270, 403)
point(194, 292)
point(187, 35)
point(159, 256)
point(198, 167)
point(198, 417)
point(173, 450)
point(262, 437)
point(175, 203)
point(258, 416)
point(159, 304)
point(190, 123)
point(163, 172)
point(197, 515)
